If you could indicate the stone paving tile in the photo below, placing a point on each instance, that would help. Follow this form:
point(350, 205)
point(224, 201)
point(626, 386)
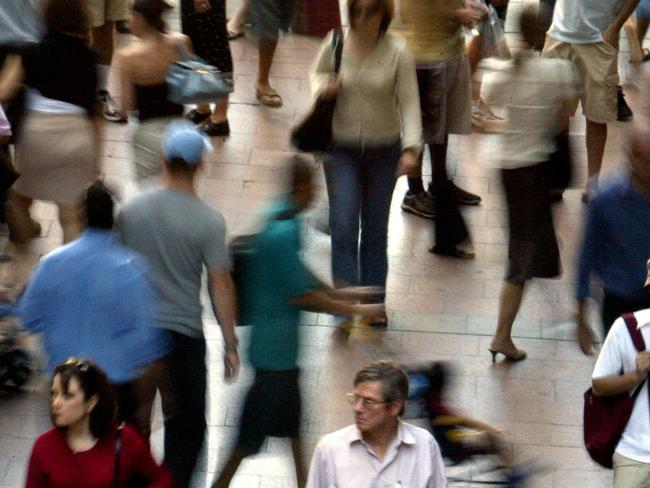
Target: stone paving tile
point(439, 309)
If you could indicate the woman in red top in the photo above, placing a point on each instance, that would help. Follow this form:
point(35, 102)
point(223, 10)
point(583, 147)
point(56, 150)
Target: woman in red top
point(80, 451)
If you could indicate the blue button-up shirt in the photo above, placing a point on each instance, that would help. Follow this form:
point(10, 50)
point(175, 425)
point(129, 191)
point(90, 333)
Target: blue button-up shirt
point(616, 243)
point(92, 299)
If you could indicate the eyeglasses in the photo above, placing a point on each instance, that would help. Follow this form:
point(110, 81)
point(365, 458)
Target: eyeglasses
point(78, 363)
point(368, 403)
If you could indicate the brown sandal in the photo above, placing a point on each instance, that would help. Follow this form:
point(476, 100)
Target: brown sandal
point(270, 98)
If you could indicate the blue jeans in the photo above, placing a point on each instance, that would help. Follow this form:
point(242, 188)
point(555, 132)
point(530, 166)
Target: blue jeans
point(360, 183)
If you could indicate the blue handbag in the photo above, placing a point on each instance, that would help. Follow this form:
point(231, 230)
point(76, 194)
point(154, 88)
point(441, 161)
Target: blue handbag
point(192, 81)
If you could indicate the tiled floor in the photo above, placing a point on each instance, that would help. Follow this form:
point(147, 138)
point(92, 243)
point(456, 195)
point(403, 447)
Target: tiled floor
point(439, 308)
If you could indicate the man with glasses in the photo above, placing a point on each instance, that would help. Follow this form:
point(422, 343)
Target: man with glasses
point(379, 449)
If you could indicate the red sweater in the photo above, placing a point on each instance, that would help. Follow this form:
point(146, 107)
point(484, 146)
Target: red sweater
point(52, 463)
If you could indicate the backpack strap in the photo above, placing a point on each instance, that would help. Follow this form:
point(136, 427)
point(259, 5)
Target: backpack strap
point(633, 329)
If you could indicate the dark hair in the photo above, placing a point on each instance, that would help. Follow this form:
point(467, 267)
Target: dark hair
point(388, 7)
point(152, 11)
point(438, 375)
point(395, 383)
point(99, 205)
point(66, 17)
point(178, 166)
point(92, 382)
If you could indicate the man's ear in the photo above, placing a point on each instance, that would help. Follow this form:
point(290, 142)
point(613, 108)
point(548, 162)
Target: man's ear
point(396, 406)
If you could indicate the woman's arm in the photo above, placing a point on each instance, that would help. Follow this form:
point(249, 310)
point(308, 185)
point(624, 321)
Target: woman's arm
point(408, 102)
point(142, 462)
point(320, 74)
point(35, 475)
point(11, 77)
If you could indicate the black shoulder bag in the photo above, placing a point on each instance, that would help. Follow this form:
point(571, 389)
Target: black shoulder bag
point(314, 132)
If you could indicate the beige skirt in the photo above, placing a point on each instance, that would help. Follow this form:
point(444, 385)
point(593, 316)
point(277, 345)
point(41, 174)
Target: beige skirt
point(55, 155)
point(147, 147)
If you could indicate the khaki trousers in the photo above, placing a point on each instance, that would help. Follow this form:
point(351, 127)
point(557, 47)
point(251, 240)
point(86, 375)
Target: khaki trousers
point(629, 473)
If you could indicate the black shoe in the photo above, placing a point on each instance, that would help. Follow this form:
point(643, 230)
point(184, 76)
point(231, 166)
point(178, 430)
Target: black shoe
point(420, 204)
point(452, 252)
point(218, 129)
point(122, 26)
point(197, 117)
point(624, 110)
point(464, 197)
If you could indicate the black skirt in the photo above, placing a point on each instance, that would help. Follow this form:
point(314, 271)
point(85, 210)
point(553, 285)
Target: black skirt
point(208, 33)
point(533, 251)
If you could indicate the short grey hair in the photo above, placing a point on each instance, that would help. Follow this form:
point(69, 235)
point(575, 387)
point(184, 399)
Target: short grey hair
point(395, 383)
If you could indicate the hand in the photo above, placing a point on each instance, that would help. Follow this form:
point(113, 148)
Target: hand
point(202, 6)
point(332, 88)
point(409, 164)
point(585, 336)
point(467, 16)
point(643, 364)
point(611, 36)
point(231, 365)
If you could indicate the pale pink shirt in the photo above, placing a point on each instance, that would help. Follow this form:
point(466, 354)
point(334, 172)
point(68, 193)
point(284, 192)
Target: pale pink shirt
point(5, 128)
point(343, 460)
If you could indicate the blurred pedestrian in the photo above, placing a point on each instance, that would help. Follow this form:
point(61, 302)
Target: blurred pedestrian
point(82, 314)
point(616, 242)
point(143, 69)
point(435, 36)
point(587, 32)
point(268, 17)
point(58, 148)
point(280, 287)
point(204, 21)
point(537, 93)
point(178, 248)
point(379, 449)
point(103, 16)
point(83, 447)
point(377, 136)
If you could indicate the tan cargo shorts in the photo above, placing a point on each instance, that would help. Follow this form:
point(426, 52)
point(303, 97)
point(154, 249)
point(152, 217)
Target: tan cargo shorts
point(597, 65)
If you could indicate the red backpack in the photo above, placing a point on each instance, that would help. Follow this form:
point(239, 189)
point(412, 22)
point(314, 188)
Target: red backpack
point(605, 418)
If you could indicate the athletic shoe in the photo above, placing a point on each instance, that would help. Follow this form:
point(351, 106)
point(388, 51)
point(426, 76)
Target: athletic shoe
point(111, 112)
point(197, 117)
point(623, 109)
point(421, 205)
point(464, 197)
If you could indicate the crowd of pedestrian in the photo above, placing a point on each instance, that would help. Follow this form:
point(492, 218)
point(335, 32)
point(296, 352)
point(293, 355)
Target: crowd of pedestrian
point(119, 305)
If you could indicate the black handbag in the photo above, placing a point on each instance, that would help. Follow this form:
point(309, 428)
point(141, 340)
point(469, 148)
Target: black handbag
point(314, 132)
point(560, 163)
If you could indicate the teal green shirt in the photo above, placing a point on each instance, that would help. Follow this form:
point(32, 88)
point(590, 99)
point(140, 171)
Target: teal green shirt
point(279, 277)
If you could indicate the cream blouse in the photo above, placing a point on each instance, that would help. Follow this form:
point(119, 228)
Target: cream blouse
point(378, 102)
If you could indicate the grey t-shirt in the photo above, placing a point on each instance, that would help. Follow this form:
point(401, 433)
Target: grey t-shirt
point(179, 235)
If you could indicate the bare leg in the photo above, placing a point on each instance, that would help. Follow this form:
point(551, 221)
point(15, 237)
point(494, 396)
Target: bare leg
point(299, 460)
point(641, 29)
point(229, 470)
point(236, 22)
point(220, 113)
point(19, 219)
point(203, 108)
point(596, 138)
point(266, 51)
point(70, 220)
point(509, 303)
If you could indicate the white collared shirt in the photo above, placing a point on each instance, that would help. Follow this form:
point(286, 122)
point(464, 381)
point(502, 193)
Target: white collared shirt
point(343, 460)
point(618, 353)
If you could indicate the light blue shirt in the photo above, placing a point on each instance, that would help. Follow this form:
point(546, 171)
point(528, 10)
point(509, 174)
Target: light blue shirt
point(20, 21)
point(583, 21)
point(92, 299)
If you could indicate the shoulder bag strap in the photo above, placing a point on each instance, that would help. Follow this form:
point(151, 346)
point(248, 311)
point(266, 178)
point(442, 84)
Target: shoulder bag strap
point(182, 49)
point(337, 48)
point(118, 451)
point(639, 344)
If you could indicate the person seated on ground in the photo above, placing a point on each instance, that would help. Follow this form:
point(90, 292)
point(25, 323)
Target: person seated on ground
point(459, 437)
point(80, 450)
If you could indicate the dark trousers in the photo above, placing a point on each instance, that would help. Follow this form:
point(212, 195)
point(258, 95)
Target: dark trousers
point(614, 307)
point(127, 402)
point(185, 428)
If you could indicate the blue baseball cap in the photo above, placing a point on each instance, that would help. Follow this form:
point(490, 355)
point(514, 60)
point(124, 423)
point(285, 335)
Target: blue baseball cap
point(183, 140)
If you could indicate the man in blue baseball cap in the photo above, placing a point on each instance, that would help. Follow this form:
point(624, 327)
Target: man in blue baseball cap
point(156, 224)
